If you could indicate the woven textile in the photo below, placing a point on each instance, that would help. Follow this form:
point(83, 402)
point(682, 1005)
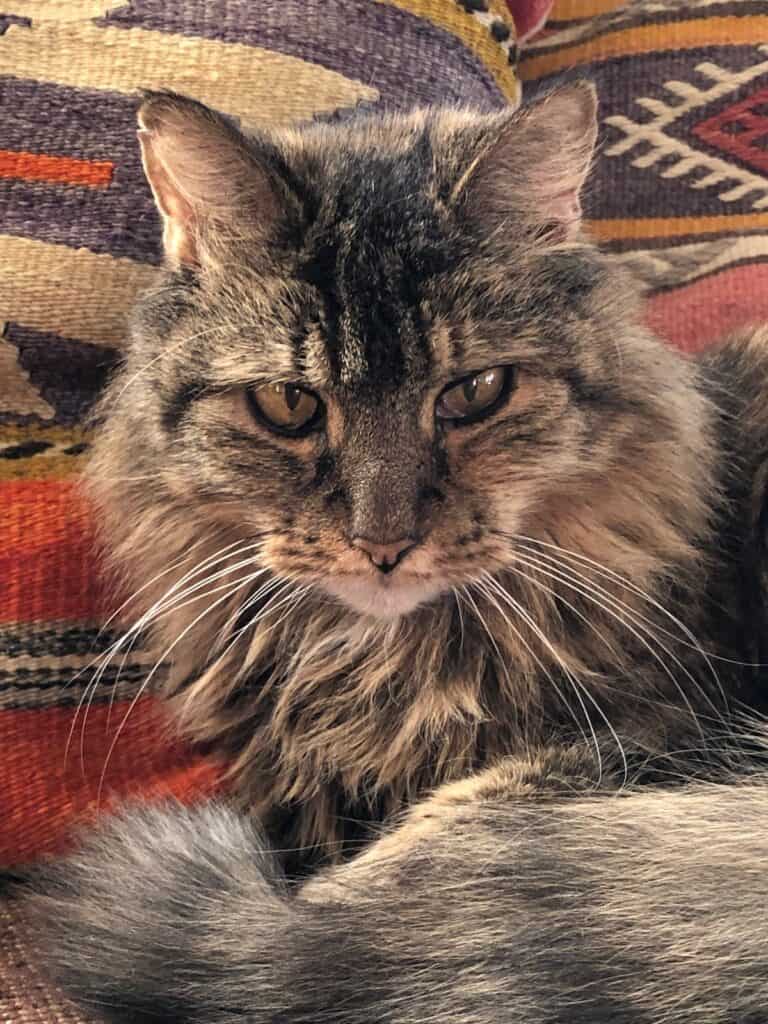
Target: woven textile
point(681, 189)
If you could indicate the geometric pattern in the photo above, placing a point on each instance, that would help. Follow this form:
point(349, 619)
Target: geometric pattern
point(680, 187)
point(735, 131)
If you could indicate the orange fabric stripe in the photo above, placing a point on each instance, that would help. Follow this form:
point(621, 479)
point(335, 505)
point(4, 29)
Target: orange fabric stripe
point(48, 565)
point(48, 791)
point(576, 10)
point(680, 35)
point(668, 227)
point(60, 169)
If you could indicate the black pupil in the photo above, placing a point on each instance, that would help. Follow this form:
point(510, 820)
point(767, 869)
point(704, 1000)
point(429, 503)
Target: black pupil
point(292, 396)
point(470, 389)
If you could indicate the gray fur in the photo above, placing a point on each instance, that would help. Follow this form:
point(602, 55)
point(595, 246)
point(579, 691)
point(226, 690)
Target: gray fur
point(559, 815)
point(641, 909)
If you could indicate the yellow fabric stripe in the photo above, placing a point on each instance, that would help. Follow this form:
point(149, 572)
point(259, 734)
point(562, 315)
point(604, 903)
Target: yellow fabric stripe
point(681, 35)
point(73, 292)
point(48, 465)
point(446, 14)
point(668, 227)
point(259, 85)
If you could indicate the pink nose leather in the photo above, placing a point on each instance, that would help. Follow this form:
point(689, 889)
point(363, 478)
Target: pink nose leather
point(385, 556)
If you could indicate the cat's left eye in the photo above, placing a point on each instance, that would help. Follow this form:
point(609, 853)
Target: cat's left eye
point(286, 408)
point(476, 395)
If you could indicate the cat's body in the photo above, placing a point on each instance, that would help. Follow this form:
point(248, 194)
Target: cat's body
point(417, 504)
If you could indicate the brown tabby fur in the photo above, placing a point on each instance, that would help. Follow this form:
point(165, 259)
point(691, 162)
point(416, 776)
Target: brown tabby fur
point(610, 453)
point(581, 614)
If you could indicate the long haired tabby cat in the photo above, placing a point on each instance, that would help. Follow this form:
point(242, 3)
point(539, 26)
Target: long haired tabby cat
point(434, 538)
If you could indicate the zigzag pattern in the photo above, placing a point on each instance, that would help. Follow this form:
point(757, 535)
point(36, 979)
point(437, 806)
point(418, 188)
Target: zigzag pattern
point(685, 158)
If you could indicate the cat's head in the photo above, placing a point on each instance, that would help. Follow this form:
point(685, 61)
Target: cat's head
point(384, 350)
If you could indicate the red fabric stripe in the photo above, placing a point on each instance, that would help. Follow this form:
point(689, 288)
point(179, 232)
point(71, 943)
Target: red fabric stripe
point(696, 315)
point(48, 565)
point(58, 169)
point(48, 792)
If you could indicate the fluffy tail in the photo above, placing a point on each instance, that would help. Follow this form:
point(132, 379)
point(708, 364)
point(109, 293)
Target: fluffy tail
point(643, 908)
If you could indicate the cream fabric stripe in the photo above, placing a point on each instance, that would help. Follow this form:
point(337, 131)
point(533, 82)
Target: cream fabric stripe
point(61, 10)
point(258, 85)
point(82, 666)
point(73, 292)
point(682, 263)
point(50, 464)
point(17, 394)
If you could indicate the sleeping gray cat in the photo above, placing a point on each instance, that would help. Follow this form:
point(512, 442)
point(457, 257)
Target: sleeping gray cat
point(459, 569)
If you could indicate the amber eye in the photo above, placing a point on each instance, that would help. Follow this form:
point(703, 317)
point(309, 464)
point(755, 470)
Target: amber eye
point(476, 395)
point(286, 408)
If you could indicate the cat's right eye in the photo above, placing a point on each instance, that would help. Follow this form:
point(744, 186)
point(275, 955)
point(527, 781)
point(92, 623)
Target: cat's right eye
point(288, 409)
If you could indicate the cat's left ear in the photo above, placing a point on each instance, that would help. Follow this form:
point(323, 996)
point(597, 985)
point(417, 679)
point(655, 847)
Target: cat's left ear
point(535, 161)
point(205, 179)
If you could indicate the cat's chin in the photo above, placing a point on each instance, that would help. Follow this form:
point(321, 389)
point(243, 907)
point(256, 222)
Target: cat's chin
point(388, 598)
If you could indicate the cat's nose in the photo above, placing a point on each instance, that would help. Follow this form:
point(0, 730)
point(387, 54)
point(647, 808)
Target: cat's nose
point(385, 556)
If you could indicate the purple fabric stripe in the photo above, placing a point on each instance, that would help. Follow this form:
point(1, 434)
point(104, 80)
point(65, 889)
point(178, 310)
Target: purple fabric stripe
point(90, 124)
point(69, 374)
point(407, 58)
point(12, 19)
point(119, 219)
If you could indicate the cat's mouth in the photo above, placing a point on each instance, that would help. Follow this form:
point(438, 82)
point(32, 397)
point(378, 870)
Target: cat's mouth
point(384, 596)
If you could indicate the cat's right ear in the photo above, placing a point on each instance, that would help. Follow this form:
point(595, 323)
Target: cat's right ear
point(203, 176)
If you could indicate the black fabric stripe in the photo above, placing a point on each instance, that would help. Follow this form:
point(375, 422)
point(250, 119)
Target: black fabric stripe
point(37, 679)
point(54, 643)
point(25, 450)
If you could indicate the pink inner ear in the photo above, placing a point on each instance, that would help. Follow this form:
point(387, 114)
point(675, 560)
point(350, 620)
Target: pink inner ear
point(177, 212)
point(565, 208)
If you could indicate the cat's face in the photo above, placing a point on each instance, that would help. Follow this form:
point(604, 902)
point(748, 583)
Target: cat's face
point(387, 351)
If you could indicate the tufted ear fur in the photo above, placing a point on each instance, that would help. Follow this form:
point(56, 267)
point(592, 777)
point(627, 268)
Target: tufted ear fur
point(536, 162)
point(204, 175)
